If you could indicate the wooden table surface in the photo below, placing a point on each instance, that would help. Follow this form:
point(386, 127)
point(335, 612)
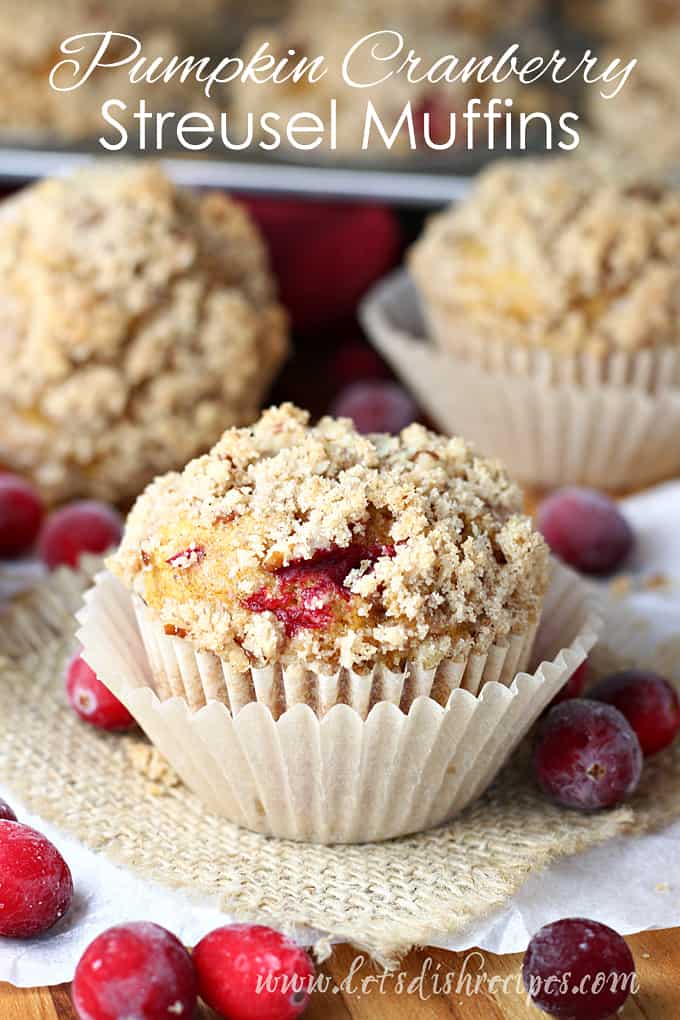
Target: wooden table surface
point(489, 988)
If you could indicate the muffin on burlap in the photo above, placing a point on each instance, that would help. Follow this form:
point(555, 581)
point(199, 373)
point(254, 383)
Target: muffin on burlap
point(139, 320)
point(552, 299)
point(317, 548)
point(327, 633)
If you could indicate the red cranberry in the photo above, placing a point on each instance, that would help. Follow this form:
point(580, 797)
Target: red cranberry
point(376, 406)
point(135, 970)
point(6, 813)
point(21, 514)
point(249, 972)
point(355, 361)
point(440, 125)
point(326, 254)
point(36, 887)
point(648, 702)
point(305, 591)
point(92, 701)
point(574, 685)
point(578, 969)
point(85, 527)
point(586, 755)
point(585, 529)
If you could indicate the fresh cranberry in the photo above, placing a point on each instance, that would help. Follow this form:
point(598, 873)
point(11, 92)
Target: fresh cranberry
point(136, 970)
point(586, 529)
point(6, 813)
point(249, 972)
point(376, 406)
point(92, 701)
point(586, 755)
point(84, 527)
point(578, 969)
point(574, 685)
point(21, 514)
point(305, 591)
point(648, 702)
point(326, 254)
point(36, 887)
point(355, 361)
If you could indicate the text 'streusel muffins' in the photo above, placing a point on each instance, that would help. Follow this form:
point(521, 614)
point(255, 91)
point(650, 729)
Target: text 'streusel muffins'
point(139, 321)
point(328, 634)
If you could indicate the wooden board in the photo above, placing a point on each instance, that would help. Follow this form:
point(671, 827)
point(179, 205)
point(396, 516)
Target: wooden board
point(489, 988)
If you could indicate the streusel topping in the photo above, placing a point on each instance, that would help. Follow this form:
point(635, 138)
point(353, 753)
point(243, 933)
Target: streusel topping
point(139, 320)
point(553, 254)
point(290, 543)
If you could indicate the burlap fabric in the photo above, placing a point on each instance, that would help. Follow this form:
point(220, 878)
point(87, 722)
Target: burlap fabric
point(383, 898)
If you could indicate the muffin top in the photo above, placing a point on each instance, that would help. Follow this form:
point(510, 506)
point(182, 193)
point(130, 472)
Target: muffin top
point(139, 320)
point(555, 254)
point(297, 544)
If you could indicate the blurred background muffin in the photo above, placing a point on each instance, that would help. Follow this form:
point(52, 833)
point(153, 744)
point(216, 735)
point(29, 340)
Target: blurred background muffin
point(140, 320)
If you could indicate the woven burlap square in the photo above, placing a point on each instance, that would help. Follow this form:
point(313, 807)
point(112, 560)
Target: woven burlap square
point(108, 792)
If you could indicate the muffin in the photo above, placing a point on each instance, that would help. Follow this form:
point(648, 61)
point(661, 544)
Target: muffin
point(550, 257)
point(638, 123)
point(550, 296)
point(343, 551)
point(140, 320)
point(326, 633)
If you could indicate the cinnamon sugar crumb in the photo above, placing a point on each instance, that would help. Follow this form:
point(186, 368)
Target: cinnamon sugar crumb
point(451, 563)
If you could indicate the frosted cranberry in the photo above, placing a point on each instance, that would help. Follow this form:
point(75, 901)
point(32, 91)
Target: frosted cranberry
point(92, 701)
point(249, 972)
point(6, 813)
point(84, 527)
point(574, 685)
point(586, 755)
point(376, 406)
point(136, 970)
point(21, 514)
point(36, 887)
point(586, 529)
point(578, 969)
point(648, 702)
point(304, 592)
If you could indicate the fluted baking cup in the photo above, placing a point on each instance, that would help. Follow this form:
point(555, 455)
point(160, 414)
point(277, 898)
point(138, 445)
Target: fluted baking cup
point(178, 669)
point(339, 778)
point(547, 432)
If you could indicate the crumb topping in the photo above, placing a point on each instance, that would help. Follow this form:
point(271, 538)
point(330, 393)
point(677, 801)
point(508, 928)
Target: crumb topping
point(319, 545)
point(139, 320)
point(552, 254)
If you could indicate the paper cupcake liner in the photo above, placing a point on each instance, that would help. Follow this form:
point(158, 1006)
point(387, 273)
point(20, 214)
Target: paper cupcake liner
point(651, 370)
point(339, 778)
point(546, 433)
point(178, 669)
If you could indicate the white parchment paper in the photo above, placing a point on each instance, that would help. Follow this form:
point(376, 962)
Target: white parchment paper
point(590, 884)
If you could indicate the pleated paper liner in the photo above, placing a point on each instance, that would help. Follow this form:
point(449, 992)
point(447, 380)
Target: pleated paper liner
point(180, 670)
point(341, 778)
point(547, 431)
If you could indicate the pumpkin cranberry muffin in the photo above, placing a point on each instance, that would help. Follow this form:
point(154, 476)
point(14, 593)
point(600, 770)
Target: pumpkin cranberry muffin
point(139, 320)
point(554, 256)
point(317, 547)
